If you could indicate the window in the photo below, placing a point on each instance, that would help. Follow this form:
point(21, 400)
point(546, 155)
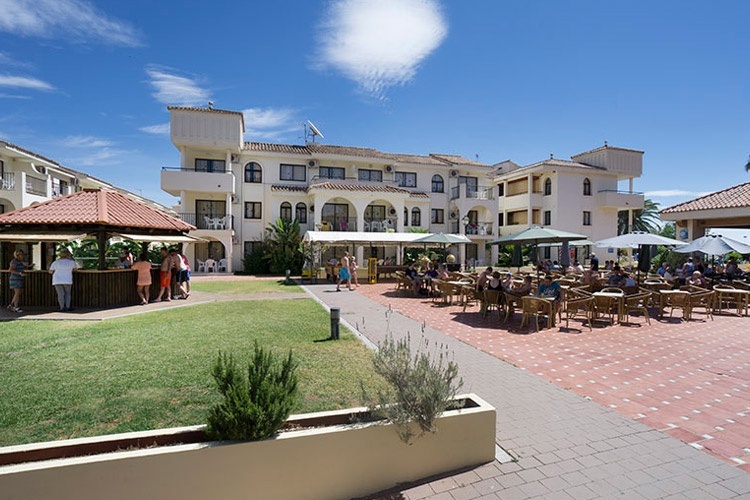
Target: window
point(501, 189)
point(206, 165)
point(286, 211)
point(406, 179)
point(500, 219)
point(437, 216)
point(253, 246)
point(406, 217)
point(547, 218)
point(253, 173)
point(300, 213)
point(586, 218)
point(416, 217)
point(252, 210)
point(332, 173)
point(547, 186)
point(374, 213)
point(586, 187)
point(292, 172)
point(438, 186)
point(370, 175)
point(208, 212)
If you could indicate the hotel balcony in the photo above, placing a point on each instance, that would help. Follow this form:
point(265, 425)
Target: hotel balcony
point(175, 180)
point(213, 222)
point(473, 230)
point(619, 199)
point(464, 191)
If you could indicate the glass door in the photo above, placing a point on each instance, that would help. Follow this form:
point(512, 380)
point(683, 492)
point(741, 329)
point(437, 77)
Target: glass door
point(207, 211)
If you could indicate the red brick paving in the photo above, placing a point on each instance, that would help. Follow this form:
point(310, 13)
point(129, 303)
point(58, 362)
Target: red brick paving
point(688, 379)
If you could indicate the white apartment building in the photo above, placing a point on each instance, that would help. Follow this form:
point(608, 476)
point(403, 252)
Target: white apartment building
point(582, 195)
point(232, 189)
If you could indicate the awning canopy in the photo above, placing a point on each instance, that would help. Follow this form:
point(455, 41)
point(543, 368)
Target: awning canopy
point(26, 237)
point(155, 238)
point(347, 238)
point(579, 243)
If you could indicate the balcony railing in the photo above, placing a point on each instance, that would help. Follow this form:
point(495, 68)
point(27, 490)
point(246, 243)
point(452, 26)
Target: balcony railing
point(36, 186)
point(479, 229)
point(337, 224)
point(192, 169)
point(8, 181)
point(216, 222)
point(472, 192)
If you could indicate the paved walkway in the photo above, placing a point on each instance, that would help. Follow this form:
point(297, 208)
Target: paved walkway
point(567, 446)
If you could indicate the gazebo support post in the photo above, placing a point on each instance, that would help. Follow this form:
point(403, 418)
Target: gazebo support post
point(101, 240)
point(144, 249)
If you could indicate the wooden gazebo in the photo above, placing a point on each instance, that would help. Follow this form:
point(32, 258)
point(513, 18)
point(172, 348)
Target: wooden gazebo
point(98, 213)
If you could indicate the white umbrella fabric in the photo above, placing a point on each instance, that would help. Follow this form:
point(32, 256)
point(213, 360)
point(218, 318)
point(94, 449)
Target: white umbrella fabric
point(636, 239)
point(536, 235)
point(714, 244)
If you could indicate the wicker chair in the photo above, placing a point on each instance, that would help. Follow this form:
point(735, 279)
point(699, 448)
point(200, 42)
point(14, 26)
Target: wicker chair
point(638, 302)
point(579, 304)
point(677, 300)
point(704, 299)
point(492, 300)
point(534, 306)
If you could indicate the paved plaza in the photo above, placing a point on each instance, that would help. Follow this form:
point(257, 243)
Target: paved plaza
point(587, 415)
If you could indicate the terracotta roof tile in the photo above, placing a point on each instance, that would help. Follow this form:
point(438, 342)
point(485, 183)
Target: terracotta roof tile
point(205, 110)
point(94, 208)
point(373, 188)
point(605, 147)
point(419, 194)
point(733, 197)
point(312, 150)
point(288, 188)
point(555, 162)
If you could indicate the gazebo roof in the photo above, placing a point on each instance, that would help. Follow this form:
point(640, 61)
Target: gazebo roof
point(95, 208)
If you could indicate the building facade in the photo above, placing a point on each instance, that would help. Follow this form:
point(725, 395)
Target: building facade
point(232, 189)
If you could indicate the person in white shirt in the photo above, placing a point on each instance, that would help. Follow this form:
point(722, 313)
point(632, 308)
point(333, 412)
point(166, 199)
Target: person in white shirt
point(62, 278)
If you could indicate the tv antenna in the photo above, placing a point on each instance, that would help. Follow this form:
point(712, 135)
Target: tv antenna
point(311, 132)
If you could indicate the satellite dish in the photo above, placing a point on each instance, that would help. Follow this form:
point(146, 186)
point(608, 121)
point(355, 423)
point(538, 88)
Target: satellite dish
point(314, 131)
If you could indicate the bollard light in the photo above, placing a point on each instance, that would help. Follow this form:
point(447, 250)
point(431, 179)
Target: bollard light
point(335, 319)
point(288, 279)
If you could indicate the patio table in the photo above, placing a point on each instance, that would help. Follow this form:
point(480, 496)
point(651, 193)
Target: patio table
point(740, 297)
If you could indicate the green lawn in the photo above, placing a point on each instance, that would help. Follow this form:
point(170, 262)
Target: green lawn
point(64, 379)
point(245, 286)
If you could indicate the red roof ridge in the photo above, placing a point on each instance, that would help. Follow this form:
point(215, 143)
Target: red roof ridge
point(676, 208)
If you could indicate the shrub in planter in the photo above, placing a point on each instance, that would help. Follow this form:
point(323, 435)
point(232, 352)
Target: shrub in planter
point(255, 404)
point(420, 387)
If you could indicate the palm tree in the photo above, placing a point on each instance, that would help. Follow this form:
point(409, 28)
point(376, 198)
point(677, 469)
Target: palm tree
point(283, 246)
point(646, 219)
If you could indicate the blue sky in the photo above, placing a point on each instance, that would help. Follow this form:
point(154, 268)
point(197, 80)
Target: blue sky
point(87, 82)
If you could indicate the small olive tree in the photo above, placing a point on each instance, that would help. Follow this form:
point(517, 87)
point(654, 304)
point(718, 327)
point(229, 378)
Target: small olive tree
point(420, 387)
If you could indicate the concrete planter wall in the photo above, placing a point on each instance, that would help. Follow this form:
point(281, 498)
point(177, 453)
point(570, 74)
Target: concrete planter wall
point(333, 461)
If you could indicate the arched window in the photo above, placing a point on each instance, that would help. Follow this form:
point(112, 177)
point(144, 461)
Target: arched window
point(586, 187)
point(547, 186)
point(286, 211)
point(437, 184)
point(406, 217)
point(416, 217)
point(253, 173)
point(300, 213)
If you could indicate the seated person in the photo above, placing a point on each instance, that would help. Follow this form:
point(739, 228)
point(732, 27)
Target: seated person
point(591, 278)
point(413, 276)
point(731, 268)
point(507, 282)
point(629, 282)
point(494, 283)
point(663, 269)
point(617, 278)
point(524, 288)
point(549, 288)
point(669, 275)
point(442, 272)
point(482, 279)
point(696, 279)
point(556, 267)
point(431, 271)
point(576, 268)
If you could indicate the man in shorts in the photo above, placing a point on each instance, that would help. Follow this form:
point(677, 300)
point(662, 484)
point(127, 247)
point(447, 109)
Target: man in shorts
point(165, 277)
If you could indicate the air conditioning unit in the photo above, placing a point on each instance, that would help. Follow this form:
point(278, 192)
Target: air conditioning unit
point(312, 163)
point(235, 158)
point(312, 207)
point(235, 199)
point(454, 173)
point(392, 211)
point(454, 215)
point(389, 168)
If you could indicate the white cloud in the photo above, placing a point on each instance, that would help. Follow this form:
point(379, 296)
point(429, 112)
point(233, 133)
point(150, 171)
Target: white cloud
point(269, 123)
point(7, 60)
point(13, 96)
point(668, 193)
point(380, 43)
point(90, 151)
point(161, 129)
point(87, 141)
point(25, 82)
point(76, 20)
point(175, 89)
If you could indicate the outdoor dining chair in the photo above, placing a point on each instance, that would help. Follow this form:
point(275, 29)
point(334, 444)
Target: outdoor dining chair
point(704, 299)
point(535, 306)
point(637, 302)
point(201, 266)
point(223, 265)
point(676, 299)
point(492, 299)
point(579, 304)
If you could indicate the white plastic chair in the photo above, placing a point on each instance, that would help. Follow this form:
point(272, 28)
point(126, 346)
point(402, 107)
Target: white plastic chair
point(223, 265)
point(366, 227)
point(210, 266)
point(209, 222)
point(201, 266)
point(219, 222)
point(377, 227)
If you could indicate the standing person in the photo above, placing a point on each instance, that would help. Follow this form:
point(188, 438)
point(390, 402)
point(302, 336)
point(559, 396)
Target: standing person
point(128, 258)
point(143, 285)
point(353, 270)
point(344, 274)
point(62, 278)
point(16, 269)
point(165, 277)
point(594, 262)
point(184, 278)
point(179, 268)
